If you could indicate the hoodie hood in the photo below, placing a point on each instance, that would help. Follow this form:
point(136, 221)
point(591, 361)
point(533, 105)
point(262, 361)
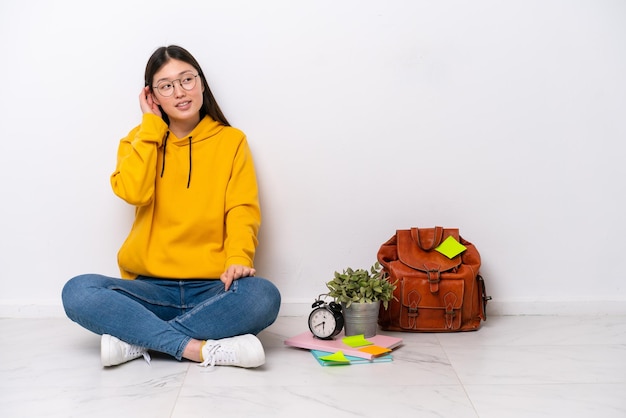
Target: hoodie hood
point(204, 130)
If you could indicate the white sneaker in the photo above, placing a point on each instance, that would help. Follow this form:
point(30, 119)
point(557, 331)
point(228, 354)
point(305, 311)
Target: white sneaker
point(114, 351)
point(241, 351)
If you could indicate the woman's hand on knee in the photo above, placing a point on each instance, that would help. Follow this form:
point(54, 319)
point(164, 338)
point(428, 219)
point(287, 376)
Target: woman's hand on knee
point(235, 272)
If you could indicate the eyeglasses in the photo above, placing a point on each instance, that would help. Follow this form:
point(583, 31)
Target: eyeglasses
point(166, 87)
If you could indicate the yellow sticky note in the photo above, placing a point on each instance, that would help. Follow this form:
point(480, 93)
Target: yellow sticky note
point(375, 350)
point(450, 247)
point(356, 340)
point(337, 357)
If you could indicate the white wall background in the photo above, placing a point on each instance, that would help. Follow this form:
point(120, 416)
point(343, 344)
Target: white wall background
point(506, 119)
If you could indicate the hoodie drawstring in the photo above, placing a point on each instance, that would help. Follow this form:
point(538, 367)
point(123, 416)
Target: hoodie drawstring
point(167, 134)
point(189, 175)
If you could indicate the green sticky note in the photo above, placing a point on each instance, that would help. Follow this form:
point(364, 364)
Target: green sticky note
point(337, 357)
point(356, 341)
point(451, 247)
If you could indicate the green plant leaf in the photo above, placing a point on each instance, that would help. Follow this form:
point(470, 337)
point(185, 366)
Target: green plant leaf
point(360, 285)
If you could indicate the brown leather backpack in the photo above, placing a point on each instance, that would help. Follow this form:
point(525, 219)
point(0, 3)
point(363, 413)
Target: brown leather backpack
point(434, 293)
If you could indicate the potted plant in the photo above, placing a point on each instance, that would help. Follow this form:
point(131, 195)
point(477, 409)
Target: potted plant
point(360, 293)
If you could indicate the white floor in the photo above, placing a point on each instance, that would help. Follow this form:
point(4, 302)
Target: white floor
point(514, 366)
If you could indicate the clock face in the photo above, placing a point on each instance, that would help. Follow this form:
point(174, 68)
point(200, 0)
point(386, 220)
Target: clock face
point(322, 323)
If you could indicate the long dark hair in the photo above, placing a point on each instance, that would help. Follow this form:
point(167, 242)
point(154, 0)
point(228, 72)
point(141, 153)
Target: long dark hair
point(162, 56)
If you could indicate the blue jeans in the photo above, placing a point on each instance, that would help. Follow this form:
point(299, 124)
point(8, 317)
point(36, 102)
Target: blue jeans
point(164, 315)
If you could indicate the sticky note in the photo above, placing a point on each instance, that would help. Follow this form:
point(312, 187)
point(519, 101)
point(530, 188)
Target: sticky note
point(337, 357)
point(450, 247)
point(375, 350)
point(356, 341)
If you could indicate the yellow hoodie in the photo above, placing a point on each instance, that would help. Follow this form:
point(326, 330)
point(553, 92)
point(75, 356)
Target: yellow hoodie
point(197, 209)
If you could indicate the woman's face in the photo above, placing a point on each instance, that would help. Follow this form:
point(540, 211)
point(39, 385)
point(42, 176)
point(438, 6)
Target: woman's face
point(178, 88)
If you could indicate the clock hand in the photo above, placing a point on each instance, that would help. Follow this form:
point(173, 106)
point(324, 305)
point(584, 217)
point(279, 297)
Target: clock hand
point(321, 323)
